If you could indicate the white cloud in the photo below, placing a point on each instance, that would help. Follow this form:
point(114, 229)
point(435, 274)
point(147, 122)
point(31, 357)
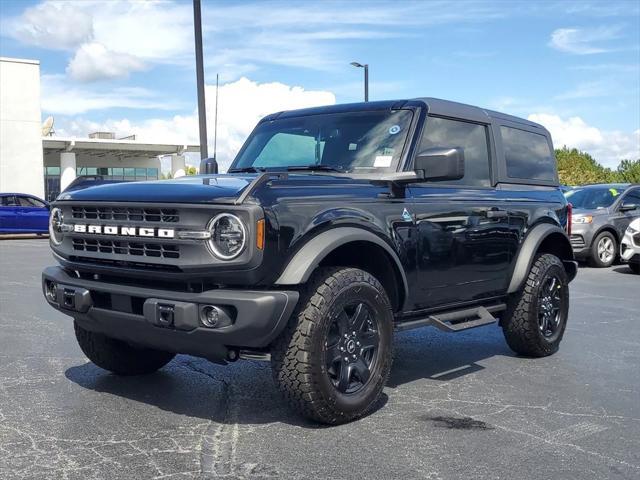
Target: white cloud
point(607, 147)
point(61, 97)
point(581, 41)
point(241, 104)
point(109, 39)
point(93, 61)
point(52, 25)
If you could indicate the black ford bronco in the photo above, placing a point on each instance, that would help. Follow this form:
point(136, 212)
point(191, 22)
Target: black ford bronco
point(334, 228)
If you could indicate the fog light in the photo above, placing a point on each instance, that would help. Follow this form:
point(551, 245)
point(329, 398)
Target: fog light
point(210, 316)
point(51, 291)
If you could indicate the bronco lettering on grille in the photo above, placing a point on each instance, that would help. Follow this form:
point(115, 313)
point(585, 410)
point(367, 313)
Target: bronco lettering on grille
point(124, 231)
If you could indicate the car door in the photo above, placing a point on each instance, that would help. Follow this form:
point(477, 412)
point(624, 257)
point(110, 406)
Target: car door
point(8, 213)
point(33, 214)
point(623, 217)
point(464, 242)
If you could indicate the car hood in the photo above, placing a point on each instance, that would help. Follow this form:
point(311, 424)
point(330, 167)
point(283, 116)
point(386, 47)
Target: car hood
point(225, 188)
point(190, 189)
point(596, 212)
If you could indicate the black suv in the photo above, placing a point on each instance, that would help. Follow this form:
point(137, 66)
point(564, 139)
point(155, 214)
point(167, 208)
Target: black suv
point(333, 228)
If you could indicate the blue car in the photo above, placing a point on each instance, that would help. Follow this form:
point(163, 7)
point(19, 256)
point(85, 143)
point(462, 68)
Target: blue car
point(23, 213)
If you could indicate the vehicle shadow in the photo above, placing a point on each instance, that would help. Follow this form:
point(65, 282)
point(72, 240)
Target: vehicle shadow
point(624, 269)
point(244, 392)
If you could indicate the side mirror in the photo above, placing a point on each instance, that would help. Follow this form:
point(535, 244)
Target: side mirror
point(440, 164)
point(627, 207)
point(208, 166)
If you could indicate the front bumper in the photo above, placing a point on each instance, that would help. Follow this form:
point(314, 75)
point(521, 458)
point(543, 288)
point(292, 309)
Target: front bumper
point(581, 238)
point(171, 320)
point(630, 247)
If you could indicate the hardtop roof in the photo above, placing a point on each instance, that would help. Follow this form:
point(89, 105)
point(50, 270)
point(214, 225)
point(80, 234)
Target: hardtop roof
point(436, 106)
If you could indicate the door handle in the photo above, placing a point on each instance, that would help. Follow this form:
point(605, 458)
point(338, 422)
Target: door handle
point(497, 213)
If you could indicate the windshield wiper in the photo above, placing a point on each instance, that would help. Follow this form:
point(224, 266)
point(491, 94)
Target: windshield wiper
point(313, 168)
point(247, 170)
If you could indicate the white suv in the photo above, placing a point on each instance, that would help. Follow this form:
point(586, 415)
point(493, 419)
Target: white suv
point(630, 246)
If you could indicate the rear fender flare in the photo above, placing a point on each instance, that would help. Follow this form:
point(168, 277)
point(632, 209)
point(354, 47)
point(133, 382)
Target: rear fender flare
point(527, 252)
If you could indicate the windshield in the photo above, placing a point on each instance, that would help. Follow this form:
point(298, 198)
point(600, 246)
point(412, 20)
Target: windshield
point(593, 198)
point(347, 142)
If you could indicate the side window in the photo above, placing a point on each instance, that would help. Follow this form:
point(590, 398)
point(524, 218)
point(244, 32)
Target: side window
point(471, 137)
point(30, 202)
point(8, 201)
point(527, 155)
point(633, 197)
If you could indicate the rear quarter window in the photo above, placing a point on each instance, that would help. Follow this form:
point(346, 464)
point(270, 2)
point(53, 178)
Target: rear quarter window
point(527, 155)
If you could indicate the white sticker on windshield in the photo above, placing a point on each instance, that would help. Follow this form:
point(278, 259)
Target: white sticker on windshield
point(383, 161)
point(394, 129)
point(353, 147)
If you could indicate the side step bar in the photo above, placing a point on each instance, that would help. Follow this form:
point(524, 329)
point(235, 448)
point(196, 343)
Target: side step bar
point(456, 320)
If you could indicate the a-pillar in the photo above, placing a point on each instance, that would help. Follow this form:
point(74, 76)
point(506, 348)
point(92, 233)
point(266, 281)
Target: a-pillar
point(177, 165)
point(67, 169)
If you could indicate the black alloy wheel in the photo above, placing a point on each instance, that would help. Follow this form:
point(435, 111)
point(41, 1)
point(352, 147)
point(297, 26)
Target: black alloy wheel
point(352, 347)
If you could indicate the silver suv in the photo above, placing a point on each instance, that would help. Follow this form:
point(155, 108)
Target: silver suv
point(601, 214)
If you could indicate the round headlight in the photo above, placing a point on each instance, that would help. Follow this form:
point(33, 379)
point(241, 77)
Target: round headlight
point(56, 220)
point(228, 236)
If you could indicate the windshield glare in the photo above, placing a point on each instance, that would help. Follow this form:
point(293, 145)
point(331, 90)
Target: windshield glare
point(349, 142)
point(593, 198)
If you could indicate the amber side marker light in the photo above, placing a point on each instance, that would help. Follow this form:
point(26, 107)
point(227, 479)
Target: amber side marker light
point(260, 234)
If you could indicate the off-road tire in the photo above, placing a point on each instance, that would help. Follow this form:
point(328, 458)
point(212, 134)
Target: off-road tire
point(298, 355)
point(635, 268)
point(520, 325)
point(594, 258)
point(119, 357)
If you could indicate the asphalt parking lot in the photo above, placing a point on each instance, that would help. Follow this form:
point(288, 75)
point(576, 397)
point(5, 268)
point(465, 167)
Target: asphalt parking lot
point(457, 406)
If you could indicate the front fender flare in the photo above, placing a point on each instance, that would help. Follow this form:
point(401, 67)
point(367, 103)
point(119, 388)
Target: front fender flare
point(531, 244)
point(307, 259)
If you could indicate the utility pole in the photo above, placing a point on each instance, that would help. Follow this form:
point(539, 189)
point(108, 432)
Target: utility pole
point(202, 107)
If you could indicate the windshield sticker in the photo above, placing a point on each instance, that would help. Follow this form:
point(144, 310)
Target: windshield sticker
point(383, 161)
point(394, 129)
point(614, 192)
point(387, 151)
point(353, 146)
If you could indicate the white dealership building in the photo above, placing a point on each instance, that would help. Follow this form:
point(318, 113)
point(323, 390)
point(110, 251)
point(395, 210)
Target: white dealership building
point(45, 165)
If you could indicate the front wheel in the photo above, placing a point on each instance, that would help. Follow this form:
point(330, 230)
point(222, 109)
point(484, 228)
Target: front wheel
point(603, 250)
point(333, 359)
point(537, 315)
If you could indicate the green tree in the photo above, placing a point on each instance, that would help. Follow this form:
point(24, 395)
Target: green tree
point(629, 171)
point(577, 168)
point(189, 170)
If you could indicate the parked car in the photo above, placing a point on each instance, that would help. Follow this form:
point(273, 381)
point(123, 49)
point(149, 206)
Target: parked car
point(23, 213)
point(630, 246)
point(334, 227)
point(601, 214)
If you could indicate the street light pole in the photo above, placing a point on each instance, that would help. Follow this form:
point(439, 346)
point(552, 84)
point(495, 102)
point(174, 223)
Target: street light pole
point(202, 110)
point(366, 78)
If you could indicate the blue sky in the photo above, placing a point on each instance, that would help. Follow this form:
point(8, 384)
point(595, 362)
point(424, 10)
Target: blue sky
point(128, 66)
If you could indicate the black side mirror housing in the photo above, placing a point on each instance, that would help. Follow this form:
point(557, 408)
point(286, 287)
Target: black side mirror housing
point(440, 164)
point(627, 207)
point(208, 166)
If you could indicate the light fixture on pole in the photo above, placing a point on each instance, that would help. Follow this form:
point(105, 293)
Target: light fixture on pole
point(366, 78)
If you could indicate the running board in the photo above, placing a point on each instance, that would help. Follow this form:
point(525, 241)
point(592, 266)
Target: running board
point(456, 320)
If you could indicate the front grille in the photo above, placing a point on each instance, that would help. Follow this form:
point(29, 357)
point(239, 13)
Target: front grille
point(123, 247)
point(577, 241)
point(132, 214)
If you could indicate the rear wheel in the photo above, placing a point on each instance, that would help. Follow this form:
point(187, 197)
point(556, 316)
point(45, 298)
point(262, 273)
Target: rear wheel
point(603, 250)
point(119, 357)
point(537, 315)
point(333, 360)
